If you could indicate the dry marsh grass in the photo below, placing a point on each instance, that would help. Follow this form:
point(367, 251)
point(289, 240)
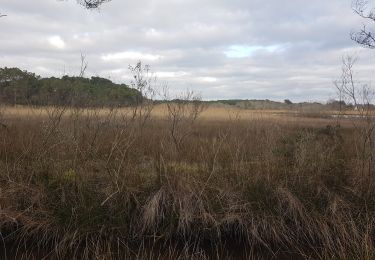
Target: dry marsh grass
point(212, 113)
point(78, 183)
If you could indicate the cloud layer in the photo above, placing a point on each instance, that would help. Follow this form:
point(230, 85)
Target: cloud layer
point(223, 49)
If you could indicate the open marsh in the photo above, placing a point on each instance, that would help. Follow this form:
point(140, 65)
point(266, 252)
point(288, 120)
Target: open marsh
point(81, 183)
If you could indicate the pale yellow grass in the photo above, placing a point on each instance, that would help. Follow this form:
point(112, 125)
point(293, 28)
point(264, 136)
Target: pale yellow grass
point(212, 112)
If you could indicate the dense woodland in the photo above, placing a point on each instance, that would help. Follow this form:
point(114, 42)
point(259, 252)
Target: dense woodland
point(18, 87)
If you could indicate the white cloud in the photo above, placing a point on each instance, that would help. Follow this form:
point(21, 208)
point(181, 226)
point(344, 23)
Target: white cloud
point(130, 55)
point(171, 74)
point(152, 32)
point(243, 51)
point(57, 42)
point(208, 79)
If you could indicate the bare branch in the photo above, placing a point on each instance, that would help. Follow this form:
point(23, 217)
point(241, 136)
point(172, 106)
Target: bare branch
point(364, 37)
point(92, 4)
point(183, 112)
point(360, 7)
point(144, 81)
point(346, 85)
point(83, 65)
point(362, 96)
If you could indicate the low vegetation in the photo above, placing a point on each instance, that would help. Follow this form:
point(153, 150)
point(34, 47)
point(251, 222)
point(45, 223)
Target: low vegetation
point(90, 183)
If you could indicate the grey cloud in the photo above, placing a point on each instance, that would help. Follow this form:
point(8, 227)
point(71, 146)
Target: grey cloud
point(190, 39)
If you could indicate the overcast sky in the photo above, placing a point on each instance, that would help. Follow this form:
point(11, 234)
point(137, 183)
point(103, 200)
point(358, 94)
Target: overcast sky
point(224, 49)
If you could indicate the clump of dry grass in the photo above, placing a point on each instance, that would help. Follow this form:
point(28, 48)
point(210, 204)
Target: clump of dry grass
point(87, 184)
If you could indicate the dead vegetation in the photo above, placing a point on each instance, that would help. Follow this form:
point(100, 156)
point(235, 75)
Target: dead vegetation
point(89, 183)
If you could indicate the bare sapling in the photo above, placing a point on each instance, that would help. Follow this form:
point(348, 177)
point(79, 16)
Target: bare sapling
point(183, 112)
point(54, 118)
point(2, 119)
point(84, 65)
point(361, 95)
point(144, 81)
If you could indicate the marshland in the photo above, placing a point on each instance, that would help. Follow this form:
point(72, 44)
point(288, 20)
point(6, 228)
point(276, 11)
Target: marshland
point(187, 180)
point(187, 129)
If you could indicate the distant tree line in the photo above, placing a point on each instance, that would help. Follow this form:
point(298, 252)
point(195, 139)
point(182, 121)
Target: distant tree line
point(18, 87)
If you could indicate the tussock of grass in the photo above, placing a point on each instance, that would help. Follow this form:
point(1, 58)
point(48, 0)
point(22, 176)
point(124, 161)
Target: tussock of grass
point(104, 186)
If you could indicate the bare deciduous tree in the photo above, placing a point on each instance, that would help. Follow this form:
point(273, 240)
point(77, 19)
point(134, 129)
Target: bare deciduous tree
point(365, 36)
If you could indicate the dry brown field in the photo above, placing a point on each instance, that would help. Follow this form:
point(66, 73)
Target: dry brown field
point(224, 183)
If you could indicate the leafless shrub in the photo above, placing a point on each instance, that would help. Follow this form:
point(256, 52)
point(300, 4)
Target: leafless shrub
point(183, 112)
point(361, 96)
point(144, 81)
point(84, 65)
point(53, 122)
point(2, 120)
